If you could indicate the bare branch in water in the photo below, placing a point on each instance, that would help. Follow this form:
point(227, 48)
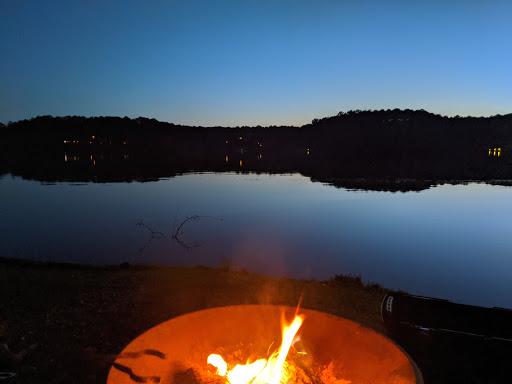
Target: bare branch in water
point(176, 233)
point(152, 235)
point(179, 230)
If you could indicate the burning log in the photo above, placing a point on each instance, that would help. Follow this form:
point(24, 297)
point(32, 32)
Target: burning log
point(254, 344)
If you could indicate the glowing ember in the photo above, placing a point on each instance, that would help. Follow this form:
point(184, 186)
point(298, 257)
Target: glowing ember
point(273, 370)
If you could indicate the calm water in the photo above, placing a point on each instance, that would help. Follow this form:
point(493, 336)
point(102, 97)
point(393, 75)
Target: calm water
point(451, 241)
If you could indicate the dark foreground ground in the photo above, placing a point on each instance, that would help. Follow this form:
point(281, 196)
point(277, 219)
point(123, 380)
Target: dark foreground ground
point(82, 317)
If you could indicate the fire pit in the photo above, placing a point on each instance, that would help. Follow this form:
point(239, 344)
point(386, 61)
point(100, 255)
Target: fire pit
point(256, 344)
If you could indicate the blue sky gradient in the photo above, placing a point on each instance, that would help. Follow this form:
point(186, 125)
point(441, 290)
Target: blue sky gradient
point(253, 62)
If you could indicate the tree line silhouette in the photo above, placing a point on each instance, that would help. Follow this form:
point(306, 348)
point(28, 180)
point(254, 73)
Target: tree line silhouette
point(385, 149)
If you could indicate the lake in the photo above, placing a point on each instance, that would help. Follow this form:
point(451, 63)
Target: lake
point(448, 241)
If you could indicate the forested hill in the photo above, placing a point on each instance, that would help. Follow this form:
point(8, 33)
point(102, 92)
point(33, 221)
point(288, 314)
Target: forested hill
point(412, 117)
point(346, 149)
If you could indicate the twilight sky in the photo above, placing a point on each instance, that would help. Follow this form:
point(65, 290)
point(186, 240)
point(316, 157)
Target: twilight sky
point(253, 62)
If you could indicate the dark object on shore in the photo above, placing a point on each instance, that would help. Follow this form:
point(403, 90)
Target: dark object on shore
point(453, 343)
point(402, 313)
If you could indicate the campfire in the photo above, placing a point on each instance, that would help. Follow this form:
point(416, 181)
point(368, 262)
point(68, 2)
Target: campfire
point(262, 344)
point(273, 370)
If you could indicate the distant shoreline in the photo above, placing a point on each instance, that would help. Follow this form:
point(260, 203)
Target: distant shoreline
point(356, 111)
point(373, 150)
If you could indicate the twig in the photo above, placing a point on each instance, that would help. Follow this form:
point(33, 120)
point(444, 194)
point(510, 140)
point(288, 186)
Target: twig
point(152, 235)
point(176, 233)
point(179, 230)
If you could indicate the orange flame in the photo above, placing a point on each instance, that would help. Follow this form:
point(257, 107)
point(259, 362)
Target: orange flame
point(262, 371)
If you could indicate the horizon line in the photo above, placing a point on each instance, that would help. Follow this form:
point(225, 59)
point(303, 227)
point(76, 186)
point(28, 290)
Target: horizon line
point(448, 116)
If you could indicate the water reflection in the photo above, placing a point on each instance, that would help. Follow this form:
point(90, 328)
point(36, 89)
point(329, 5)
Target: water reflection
point(433, 242)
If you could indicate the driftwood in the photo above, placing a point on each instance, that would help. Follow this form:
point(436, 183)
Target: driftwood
point(176, 233)
point(152, 235)
point(179, 230)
